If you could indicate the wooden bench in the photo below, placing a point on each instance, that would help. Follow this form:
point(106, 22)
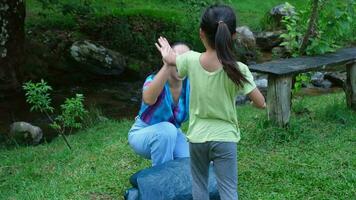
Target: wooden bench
point(280, 73)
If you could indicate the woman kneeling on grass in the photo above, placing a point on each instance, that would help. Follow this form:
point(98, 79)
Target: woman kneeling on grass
point(156, 133)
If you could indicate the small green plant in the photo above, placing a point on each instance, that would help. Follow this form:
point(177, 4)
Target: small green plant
point(300, 80)
point(291, 38)
point(72, 111)
point(37, 95)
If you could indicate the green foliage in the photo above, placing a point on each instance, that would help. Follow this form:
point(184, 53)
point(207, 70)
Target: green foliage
point(292, 38)
point(48, 4)
point(94, 116)
point(300, 80)
point(82, 9)
point(131, 34)
point(76, 8)
point(37, 95)
point(73, 111)
point(271, 23)
point(335, 25)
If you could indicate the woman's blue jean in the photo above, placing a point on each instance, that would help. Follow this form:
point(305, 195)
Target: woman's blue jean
point(160, 142)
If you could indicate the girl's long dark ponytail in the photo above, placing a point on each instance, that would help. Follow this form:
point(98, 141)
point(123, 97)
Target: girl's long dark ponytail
point(219, 24)
point(224, 51)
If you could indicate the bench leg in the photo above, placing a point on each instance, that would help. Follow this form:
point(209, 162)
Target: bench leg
point(279, 99)
point(351, 86)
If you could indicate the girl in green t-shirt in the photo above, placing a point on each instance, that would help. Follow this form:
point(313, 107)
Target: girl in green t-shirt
point(215, 79)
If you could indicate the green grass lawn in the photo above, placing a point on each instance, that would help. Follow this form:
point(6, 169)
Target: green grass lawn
point(313, 159)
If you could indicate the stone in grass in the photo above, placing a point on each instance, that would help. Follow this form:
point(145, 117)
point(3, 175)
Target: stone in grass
point(169, 181)
point(26, 131)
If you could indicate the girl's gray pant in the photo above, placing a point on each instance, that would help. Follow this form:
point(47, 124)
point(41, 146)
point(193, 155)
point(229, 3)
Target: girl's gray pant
point(224, 157)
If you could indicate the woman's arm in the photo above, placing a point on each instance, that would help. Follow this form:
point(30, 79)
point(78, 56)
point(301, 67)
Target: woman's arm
point(150, 95)
point(258, 100)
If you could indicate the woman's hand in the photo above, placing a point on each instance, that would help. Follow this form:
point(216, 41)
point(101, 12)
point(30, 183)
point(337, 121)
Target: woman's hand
point(168, 55)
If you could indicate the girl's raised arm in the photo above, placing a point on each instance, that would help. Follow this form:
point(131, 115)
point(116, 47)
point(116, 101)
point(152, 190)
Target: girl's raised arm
point(168, 55)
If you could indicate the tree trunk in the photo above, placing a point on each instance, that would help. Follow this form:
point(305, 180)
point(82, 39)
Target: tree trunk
point(312, 27)
point(12, 37)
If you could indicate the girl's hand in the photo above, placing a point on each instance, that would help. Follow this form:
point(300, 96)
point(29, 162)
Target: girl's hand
point(258, 100)
point(168, 55)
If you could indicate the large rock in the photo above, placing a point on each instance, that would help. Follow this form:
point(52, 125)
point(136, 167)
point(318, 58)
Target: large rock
point(246, 44)
point(328, 79)
point(283, 10)
point(169, 181)
point(245, 37)
point(279, 52)
point(98, 59)
point(26, 131)
point(337, 78)
point(269, 39)
point(261, 83)
point(317, 79)
point(277, 13)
